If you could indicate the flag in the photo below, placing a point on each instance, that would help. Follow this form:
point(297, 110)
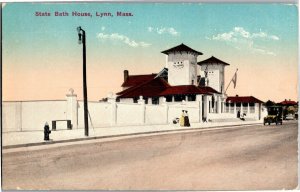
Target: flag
point(234, 78)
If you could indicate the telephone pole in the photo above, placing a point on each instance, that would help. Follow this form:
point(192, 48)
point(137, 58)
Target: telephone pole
point(81, 35)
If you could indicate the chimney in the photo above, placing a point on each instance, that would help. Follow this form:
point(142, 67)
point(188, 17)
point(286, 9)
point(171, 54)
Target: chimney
point(126, 75)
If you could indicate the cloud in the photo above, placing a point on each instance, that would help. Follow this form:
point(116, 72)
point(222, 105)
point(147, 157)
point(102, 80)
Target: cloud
point(240, 33)
point(165, 30)
point(290, 4)
point(242, 39)
point(102, 28)
point(262, 51)
point(122, 38)
point(274, 37)
point(150, 29)
point(170, 30)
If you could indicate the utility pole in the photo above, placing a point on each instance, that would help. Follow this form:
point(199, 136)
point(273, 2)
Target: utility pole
point(81, 35)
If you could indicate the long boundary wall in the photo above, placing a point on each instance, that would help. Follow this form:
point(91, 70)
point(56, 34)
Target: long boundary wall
point(32, 115)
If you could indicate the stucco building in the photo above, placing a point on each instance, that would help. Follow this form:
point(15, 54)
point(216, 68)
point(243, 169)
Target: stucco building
point(184, 79)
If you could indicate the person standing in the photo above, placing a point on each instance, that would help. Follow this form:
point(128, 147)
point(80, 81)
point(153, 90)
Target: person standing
point(186, 119)
point(238, 115)
point(181, 119)
point(46, 132)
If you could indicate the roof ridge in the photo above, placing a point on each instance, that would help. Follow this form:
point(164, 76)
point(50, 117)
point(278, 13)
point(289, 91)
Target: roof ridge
point(213, 58)
point(182, 85)
point(181, 46)
point(138, 86)
point(132, 80)
point(143, 74)
point(187, 89)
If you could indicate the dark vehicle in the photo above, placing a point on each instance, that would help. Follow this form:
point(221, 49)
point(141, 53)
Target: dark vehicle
point(274, 115)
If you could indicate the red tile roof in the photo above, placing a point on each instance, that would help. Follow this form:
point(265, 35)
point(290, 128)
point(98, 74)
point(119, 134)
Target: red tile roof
point(209, 89)
point(150, 88)
point(134, 80)
point(181, 48)
point(247, 99)
point(212, 60)
point(183, 90)
point(286, 102)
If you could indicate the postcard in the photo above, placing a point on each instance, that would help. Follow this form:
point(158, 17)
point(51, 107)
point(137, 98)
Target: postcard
point(149, 96)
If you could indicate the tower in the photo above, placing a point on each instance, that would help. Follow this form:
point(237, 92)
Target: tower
point(215, 69)
point(182, 65)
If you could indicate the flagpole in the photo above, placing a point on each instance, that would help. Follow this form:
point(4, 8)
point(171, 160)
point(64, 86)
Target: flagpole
point(231, 80)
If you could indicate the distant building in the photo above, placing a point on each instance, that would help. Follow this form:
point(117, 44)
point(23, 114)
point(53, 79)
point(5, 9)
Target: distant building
point(288, 103)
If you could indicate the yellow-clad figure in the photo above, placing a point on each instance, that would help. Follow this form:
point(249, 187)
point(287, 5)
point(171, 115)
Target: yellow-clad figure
point(181, 119)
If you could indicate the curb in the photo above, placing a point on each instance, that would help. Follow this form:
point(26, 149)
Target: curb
point(121, 135)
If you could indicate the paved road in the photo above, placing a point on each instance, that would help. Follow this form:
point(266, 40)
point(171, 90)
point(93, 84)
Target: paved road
point(253, 157)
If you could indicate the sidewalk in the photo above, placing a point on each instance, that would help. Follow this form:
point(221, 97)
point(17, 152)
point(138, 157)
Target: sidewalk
point(31, 138)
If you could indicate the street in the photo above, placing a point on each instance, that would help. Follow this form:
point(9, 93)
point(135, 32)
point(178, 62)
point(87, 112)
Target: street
point(243, 158)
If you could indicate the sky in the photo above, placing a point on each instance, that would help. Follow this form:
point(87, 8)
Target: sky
point(42, 59)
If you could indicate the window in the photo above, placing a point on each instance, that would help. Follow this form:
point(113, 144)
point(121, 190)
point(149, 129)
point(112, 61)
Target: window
point(213, 102)
point(252, 107)
point(238, 107)
point(155, 101)
point(227, 107)
point(231, 107)
point(245, 108)
point(191, 97)
point(179, 98)
point(169, 98)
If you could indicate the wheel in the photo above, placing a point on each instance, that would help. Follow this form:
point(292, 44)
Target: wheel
point(269, 123)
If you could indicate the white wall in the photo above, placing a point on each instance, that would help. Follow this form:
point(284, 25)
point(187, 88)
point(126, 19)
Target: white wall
point(156, 114)
point(221, 116)
point(182, 68)
point(99, 114)
point(215, 75)
point(130, 114)
point(11, 116)
point(126, 100)
point(32, 115)
point(175, 111)
point(35, 114)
